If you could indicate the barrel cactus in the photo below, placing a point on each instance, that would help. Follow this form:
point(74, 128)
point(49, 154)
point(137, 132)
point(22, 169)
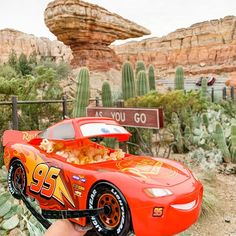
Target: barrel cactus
point(140, 66)
point(83, 93)
point(106, 95)
point(142, 84)
point(151, 78)
point(221, 142)
point(179, 79)
point(128, 85)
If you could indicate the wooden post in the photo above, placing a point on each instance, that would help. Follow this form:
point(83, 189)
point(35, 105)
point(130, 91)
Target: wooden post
point(232, 93)
point(97, 101)
point(224, 93)
point(64, 107)
point(15, 125)
point(212, 95)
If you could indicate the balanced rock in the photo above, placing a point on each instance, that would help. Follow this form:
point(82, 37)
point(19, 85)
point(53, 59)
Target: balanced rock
point(89, 30)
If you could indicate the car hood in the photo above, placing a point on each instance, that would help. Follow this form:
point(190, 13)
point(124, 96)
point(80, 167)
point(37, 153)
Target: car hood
point(154, 171)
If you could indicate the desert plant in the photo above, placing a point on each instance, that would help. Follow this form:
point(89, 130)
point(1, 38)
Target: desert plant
point(233, 143)
point(106, 95)
point(204, 88)
point(83, 93)
point(179, 79)
point(139, 67)
point(221, 142)
point(128, 85)
point(142, 84)
point(151, 78)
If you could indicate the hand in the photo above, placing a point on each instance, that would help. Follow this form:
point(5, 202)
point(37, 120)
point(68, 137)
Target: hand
point(65, 227)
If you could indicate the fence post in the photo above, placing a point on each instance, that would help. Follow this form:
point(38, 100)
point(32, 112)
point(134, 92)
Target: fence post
point(232, 93)
point(64, 107)
point(224, 93)
point(120, 103)
point(97, 101)
point(212, 95)
point(14, 113)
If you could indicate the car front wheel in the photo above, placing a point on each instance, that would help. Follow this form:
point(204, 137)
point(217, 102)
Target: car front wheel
point(115, 220)
point(16, 179)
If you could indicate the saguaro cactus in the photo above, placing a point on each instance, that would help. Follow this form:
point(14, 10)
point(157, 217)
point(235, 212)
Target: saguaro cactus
point(83, 93)
point(151, 78)
point(204, 88)
point(139, 67)
point(106, 95)
point(221, 142)
point(179, 79)
point(142, 85)
point(128, 85)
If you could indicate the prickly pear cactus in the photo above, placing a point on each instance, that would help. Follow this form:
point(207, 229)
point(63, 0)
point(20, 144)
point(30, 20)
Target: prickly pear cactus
point(15, 219)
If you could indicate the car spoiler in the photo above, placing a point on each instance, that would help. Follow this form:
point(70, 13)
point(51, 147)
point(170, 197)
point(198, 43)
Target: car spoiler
point(15, 136)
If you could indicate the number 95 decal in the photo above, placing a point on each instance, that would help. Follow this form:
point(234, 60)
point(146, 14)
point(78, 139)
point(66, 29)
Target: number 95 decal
point(44, 178)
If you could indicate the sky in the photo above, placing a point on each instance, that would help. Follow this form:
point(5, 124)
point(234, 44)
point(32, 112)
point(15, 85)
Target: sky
point(159, 16)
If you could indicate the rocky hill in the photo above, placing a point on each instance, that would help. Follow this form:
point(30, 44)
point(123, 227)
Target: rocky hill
point(28, 44)
point(204, 48)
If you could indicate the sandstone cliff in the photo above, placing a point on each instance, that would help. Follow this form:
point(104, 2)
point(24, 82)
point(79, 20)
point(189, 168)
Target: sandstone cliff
point(28, 44)
point(204, 48)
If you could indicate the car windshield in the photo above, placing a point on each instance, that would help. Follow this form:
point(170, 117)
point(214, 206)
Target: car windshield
point(102, 129)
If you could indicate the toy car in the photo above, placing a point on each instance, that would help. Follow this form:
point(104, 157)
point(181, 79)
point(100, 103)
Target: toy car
point(210, 81)
point(65, 171)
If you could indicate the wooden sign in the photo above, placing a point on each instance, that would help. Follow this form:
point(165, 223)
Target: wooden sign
point(132, 117)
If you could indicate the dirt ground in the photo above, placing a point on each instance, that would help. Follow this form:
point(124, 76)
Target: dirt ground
point(224, 221)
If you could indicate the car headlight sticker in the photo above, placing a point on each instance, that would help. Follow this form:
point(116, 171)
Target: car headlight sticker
point(158, 192)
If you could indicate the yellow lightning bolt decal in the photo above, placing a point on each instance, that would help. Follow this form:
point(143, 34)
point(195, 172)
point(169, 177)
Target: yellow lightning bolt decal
point(61, 190)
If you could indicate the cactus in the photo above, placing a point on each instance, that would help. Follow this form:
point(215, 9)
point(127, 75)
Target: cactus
point(128, 85)
point(178, 146)
point(221, 142)
point(142, 85)
point(139, 67)
point(151, 78)
point(179, 79)
point(106, 95)
point(233, 143)
point(204, 88)
point(83, 93)
point(205, 119)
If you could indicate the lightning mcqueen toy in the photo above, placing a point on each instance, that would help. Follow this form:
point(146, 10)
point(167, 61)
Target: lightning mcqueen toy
point(65, 172)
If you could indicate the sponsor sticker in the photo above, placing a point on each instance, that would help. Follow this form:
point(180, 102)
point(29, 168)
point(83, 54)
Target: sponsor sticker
point(79, 178)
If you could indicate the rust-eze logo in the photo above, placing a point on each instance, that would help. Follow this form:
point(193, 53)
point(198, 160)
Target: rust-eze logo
point(27, 137)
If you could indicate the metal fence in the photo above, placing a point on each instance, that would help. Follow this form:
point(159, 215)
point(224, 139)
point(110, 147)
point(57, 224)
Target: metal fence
point(14, 105)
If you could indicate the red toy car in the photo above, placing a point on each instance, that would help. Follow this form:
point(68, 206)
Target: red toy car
point(65, 172)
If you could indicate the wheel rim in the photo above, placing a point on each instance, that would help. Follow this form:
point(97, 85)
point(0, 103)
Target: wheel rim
point(112, 218)
point(19, 178)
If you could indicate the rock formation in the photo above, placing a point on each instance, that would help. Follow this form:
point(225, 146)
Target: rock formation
point(29, 44)
point(204, 48)
point(89, 29)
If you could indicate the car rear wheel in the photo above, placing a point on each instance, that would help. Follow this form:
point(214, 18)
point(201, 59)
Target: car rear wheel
point(16, 179)
point(115, 220)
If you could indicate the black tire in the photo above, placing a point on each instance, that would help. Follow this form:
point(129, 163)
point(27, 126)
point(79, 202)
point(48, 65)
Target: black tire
point(16, 179)
point(116, 221)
